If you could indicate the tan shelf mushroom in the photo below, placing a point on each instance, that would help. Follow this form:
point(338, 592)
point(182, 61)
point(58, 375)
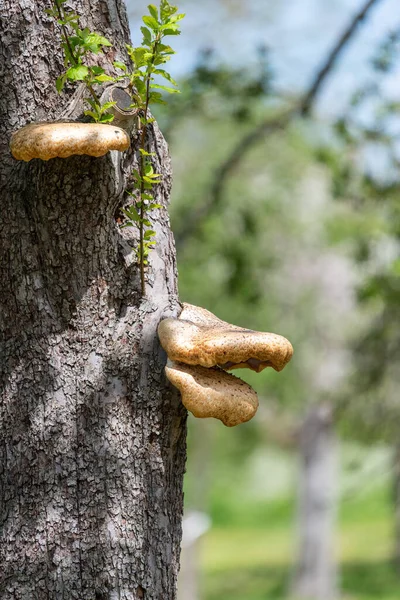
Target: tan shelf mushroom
point(213, 393)
point(202, 348)
point(199, 338)
point(51, 140)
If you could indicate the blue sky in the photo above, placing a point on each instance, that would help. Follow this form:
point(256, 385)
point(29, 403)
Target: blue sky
point(298, 32)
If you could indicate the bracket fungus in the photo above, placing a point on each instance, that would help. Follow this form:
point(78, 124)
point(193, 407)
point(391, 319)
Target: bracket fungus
point(213, 392)
point(201, 348)
point(51, 140)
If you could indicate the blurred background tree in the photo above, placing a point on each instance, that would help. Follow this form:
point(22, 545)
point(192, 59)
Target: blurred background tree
point(287, 218)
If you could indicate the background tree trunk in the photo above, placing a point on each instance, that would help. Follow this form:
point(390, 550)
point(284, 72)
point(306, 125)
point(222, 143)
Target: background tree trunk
point(316, 574)
point(92, 439)
point(396, 504)
point(196, 522)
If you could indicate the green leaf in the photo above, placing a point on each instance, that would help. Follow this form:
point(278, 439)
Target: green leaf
point(136, 174)
point(166, 9)
point(144, 153)
point(154, 206)
point(146, 35)
point(149, 233)
point(60, 82)
point(120, 65)
point(127, 224)
point(99, 40)
point(84, 33)
point(131, 213)
point(166, 75)
point(141, 88)
point(171, 31)
point(165, 49)
point(153, 11)
point(77, 73)
point(161, 60)
point(90, 113)
point(152, 180)
point(73, 21)
point(151, 22)
point(97, 70)
point(102, 78)
point(165, 88)
point(106, 118)
point(95, 105)
point(107, 105)
point(169, 25)
point(138, 56)
point(156, 98)
point(176, 18)
point(75, 42)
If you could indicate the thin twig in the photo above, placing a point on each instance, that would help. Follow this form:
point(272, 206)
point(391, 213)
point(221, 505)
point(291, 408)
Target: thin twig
point(198, 214)
point(279, 121)
point(141, 172)
point(309, 98)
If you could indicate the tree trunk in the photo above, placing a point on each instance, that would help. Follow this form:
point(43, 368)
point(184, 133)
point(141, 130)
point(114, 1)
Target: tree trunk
point(196, 522)
point(396, 504)
point(195, 525)
point(189, 577)
point(316, 573)
point(92, 438)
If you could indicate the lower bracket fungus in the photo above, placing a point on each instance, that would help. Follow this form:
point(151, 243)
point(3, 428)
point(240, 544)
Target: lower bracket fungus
point(213, 393)
point(51, 140)
point(201, 348)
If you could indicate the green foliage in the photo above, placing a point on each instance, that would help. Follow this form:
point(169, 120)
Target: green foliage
point(372, 408)
point(99, 112)
point(388, 52)
point(78, 45)
point(146, 59)
point(217, 91)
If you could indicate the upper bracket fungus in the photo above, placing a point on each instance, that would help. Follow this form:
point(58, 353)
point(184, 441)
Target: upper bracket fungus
point(202, 348)
point(51, 140)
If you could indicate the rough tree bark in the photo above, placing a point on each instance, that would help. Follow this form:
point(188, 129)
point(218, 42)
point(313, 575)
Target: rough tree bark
point(315, 576)
point(92, 439)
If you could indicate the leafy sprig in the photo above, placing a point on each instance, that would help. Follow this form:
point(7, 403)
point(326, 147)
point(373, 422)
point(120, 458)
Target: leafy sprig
point(146, 60)
point(78, 44)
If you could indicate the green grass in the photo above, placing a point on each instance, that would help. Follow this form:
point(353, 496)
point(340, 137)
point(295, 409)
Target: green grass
point(254, 563)
point(360, 581)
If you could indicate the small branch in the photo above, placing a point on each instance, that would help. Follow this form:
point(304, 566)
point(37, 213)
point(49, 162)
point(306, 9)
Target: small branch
point(309, 98)
point(199, 213)
point(141, 232)
point(271, 125)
